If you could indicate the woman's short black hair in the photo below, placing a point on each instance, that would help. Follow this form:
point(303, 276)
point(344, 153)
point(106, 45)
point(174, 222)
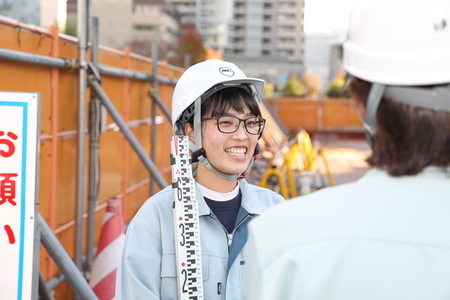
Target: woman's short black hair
point(236, 98)
point(218, 103)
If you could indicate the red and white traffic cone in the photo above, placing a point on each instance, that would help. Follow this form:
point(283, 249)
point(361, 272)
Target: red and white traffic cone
point(109, 252)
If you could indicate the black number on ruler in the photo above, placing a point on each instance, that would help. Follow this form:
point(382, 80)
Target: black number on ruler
point(184, 272)
point(179, 192)
point(183, 241)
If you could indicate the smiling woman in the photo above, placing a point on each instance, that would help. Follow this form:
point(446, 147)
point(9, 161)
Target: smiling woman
point(221, 132)
point(217, 107)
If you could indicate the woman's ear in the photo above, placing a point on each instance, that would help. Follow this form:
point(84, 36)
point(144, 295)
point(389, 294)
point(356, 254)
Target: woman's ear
point(189, 131)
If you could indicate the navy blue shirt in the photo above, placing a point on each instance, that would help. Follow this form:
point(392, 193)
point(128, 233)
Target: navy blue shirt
point(226, 211)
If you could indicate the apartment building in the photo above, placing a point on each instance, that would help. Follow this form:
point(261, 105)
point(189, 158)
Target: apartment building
point(264, 37)
point(135, 23)
point(318, 56)
point(323, 55)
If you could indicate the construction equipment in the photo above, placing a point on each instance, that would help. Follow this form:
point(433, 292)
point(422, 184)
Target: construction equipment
point(297, 168)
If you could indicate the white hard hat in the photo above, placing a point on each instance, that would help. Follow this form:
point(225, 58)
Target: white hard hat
point(201, 77)
point(397, 42)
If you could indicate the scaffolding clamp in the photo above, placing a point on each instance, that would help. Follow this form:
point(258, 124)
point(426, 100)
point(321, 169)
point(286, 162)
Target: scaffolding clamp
point(94, 71)
point(153, 92)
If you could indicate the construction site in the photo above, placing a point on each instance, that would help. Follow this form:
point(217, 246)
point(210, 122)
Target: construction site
point(102, 149)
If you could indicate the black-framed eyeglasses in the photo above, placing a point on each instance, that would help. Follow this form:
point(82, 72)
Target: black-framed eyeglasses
point(230, 124)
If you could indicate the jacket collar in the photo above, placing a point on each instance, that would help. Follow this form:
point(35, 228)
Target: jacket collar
point(251, 200)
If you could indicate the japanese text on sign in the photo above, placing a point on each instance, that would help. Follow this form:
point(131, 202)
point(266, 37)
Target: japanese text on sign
point(18, 152)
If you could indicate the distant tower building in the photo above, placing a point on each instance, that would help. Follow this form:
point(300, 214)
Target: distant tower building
point(336, 52)
point(323, 55)
point(135, 23)
point(318, 55)
point(265, 38)
point(42, 13)
point(211, 19)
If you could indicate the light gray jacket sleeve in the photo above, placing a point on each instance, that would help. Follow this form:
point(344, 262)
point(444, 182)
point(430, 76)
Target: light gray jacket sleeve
point(138, 276)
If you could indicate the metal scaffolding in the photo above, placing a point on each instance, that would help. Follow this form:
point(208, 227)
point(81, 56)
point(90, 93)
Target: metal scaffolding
point(89, 73)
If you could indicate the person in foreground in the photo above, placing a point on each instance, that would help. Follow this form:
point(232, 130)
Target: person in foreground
point(387, 235)
point(217, 107)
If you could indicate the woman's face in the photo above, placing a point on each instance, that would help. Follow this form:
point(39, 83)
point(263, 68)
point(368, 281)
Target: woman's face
point(229, 153)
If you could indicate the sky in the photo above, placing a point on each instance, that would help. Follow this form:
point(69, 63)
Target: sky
point(322, 16)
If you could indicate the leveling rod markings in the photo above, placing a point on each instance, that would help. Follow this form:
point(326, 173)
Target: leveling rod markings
point(186, 222)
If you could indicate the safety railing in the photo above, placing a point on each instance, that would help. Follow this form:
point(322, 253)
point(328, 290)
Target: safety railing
point(325, 115)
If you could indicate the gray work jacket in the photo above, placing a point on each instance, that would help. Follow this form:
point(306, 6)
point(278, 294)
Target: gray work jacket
point(148, 268)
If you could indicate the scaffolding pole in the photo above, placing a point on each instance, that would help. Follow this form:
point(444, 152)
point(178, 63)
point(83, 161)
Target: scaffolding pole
point(64, 262)
point(127, 132)
point(82, 73)
point(37, 59)
point(71, 64)
point(94, 137)
point(157, 100)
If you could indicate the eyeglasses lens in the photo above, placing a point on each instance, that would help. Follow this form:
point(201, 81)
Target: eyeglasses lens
point(229, 124)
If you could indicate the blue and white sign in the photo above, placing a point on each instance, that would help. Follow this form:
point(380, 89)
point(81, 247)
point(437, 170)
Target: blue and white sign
point(19, 140)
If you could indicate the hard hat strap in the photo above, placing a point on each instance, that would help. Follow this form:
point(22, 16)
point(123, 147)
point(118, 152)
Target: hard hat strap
point(207, 165)
point(373, 101)
point(198, 124)
point(436, 97)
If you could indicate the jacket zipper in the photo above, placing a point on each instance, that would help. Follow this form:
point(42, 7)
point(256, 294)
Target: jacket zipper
point(230, 235)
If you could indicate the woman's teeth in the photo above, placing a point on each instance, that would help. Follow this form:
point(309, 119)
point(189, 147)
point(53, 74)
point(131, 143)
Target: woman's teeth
point(236, 151)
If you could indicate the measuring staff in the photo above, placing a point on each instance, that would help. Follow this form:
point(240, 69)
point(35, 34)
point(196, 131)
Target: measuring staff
point(216, 107)
point(186, 222)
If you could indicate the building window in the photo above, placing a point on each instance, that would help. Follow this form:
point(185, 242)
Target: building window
point(172, 31)
point(146, 27)
point(142, 9)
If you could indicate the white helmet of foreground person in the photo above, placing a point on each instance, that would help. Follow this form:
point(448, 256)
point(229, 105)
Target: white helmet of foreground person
point(196, 85)
point(403, 49)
